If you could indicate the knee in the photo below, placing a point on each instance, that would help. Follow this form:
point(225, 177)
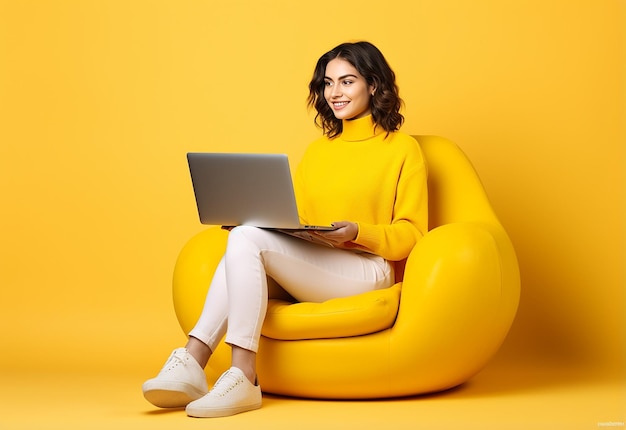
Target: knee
point(244, 242)
point(241, 231)
point(243, 234)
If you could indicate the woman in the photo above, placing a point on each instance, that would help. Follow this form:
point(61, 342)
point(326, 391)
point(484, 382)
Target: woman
point(364, 177)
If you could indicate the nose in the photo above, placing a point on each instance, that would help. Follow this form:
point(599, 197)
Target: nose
point(335, 91)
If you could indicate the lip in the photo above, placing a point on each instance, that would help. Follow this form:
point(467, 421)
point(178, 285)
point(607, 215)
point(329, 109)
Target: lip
point(340, 105)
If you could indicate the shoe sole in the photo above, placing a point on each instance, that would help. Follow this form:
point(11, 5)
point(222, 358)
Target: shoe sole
point(171, 395)
point(221, 412)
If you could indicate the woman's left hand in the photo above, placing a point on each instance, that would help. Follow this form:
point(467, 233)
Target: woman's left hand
point(345, 232)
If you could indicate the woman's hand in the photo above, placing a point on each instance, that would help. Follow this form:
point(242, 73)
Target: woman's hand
point(345, 232)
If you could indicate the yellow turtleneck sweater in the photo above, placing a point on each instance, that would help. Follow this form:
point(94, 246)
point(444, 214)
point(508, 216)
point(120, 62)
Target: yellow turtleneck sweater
point(367, 177)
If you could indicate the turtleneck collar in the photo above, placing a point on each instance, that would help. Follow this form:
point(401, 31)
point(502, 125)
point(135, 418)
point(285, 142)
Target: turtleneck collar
point(360, 129)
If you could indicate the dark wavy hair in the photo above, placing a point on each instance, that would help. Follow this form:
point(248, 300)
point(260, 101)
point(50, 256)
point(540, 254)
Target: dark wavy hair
point(385, 104)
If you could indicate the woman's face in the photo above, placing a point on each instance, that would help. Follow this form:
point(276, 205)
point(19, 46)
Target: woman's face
point(346, 91)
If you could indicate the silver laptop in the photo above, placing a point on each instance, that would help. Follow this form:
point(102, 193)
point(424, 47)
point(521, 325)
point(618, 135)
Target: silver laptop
point(245, 189)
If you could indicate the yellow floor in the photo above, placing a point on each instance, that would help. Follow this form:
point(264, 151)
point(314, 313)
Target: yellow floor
point(497, 398)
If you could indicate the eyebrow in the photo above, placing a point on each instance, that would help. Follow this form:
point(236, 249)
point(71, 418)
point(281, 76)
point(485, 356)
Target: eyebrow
point(343, 77)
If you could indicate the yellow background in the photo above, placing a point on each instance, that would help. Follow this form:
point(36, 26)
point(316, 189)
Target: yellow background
point(100, 101)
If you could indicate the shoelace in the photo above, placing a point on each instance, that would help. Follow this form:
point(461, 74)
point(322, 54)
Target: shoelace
point(174, 360)
point(226, 383)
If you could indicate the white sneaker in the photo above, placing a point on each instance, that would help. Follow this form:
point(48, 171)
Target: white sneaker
point(233, 393)
point(180, 381)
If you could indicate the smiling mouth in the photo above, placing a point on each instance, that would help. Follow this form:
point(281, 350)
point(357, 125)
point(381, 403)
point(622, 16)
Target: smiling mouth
point(339, 105)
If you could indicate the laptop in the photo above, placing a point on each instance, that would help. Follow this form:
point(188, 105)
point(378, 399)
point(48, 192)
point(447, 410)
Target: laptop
point(245, 189)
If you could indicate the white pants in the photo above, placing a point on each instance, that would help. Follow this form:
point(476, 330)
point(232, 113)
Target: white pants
point(237, 300)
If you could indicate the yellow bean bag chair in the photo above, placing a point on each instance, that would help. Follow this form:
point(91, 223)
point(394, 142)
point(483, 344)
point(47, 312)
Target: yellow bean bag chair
point(432, 331)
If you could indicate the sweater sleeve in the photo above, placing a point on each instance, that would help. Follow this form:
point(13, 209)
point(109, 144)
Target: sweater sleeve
point(395, 241)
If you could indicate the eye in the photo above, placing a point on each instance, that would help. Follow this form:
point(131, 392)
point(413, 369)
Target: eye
point(348, 82)
point(328, 83)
